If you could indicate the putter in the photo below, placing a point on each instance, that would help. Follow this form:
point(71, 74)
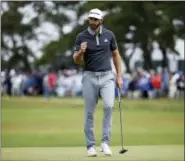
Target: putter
point(123, 150)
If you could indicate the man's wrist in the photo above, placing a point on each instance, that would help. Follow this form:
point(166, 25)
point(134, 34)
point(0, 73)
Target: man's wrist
point(119, 75)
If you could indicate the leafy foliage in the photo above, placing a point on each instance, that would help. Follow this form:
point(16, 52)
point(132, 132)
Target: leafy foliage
point(144, 22)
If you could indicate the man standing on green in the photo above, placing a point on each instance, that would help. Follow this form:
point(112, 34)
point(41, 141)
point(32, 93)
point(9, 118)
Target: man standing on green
point(94, 47)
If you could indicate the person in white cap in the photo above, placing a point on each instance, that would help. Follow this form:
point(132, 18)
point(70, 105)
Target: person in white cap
point(94, 48)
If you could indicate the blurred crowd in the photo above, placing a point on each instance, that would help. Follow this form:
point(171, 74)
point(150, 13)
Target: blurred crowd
point(62, 83)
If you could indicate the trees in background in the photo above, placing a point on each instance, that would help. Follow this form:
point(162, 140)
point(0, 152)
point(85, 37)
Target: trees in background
point(17, 31)
point(137, 23)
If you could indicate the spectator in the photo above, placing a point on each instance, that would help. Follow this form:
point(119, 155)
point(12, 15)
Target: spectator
point(16, 81)
point(155, 81)
point(31, 84)
point(45, 85)
point(77, 84)
point(173, 86)
point(133, 91)
point(165, 82)
point(60, 89)
point(3, 78)
point(52, 78)
point(180, 86)
point(144, 84)
point(65, 84)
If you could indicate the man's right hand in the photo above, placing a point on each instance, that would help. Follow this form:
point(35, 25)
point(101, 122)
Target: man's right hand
point(83, 47)
point(78, 56)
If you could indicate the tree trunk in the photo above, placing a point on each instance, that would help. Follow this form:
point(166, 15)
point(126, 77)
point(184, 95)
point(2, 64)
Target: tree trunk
point(147, 58)
point(165, 59)
point(126, 61)
point(124, 58)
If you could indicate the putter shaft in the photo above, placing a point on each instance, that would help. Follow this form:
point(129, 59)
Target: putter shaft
point(120, 111)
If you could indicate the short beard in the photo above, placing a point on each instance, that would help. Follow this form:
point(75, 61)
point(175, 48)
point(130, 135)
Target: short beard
point(95, 27)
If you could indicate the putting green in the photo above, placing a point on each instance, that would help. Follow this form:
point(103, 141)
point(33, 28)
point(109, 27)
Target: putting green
point(135, 153)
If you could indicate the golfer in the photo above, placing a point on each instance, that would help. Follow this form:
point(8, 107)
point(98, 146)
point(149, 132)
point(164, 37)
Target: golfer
point(94, 48)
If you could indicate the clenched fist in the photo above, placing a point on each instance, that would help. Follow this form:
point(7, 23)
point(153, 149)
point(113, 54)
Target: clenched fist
point(83, 46)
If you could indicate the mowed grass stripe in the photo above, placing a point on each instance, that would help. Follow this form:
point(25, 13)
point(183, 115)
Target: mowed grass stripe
point(135, 153)
point(29, 122)
point(156, 104)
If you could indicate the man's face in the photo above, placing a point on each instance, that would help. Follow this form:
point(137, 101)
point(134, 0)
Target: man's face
point(94, 23)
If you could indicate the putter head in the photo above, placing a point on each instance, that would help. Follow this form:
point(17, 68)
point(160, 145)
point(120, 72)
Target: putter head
point(122, 151)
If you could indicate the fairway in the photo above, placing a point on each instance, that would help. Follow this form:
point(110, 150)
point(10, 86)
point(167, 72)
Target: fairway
point(36, 129)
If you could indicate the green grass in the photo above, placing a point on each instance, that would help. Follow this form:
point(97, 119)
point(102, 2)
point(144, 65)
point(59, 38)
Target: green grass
point(39, 129)
point(135, 153)
point(35, 122)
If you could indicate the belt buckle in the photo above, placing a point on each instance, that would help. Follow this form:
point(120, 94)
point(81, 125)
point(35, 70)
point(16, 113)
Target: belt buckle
point(97, 73)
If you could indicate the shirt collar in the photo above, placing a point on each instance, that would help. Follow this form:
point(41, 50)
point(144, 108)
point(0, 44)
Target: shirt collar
point(93, 33)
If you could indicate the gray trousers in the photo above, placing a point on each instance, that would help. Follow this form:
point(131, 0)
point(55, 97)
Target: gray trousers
point(95, 83)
